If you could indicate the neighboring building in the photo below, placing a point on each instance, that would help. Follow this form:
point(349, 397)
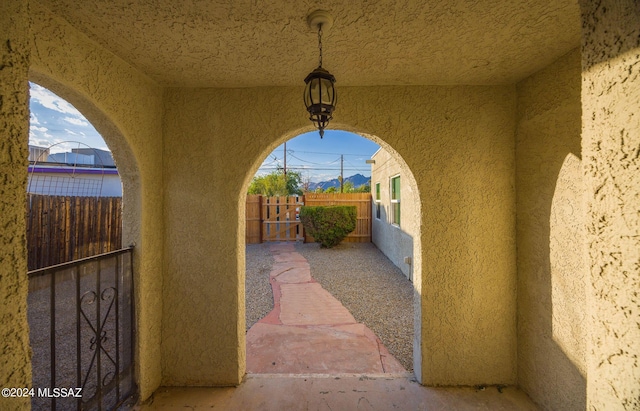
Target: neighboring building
point(66, 180)
point(83, 172)
point(73, 159)
point(101, 157)
point(394, 221)
point(38, 153)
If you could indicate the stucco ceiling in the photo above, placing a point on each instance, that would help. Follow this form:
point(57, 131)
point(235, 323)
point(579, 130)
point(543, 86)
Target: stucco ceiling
point(245, 43)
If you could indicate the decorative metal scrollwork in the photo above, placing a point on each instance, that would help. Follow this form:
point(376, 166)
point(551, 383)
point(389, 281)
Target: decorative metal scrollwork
point(99, 336)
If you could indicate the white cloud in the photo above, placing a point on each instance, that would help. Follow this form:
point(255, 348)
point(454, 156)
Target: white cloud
point(51, 101)
point(40, 136)
point(40, 142)
point(40, 129)
point(62, 146)
point(33, 119)
point(76, 121)
point(73, 133)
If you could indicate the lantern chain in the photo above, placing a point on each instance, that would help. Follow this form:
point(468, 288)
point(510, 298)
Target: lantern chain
point(320, 42)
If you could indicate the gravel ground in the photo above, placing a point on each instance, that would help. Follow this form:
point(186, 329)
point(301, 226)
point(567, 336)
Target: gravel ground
point(363, 279)
point(258, 293)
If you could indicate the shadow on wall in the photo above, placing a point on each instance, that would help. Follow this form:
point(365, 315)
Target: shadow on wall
point(552, 297)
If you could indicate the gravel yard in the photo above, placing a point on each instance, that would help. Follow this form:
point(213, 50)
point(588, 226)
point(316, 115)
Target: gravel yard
point(258, 293)
point(363, 279)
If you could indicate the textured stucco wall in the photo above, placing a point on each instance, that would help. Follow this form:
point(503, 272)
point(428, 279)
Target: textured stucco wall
point(126, 108)
point(552, 271)
point(15, 364)
point(457, 141)
point(611, 154)
point(396, 242)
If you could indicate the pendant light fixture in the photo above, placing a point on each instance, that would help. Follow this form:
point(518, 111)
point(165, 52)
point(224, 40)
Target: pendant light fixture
point(319, 93)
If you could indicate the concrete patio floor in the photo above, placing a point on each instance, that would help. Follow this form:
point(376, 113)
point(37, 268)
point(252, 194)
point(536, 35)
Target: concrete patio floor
point(282, 392)
point(309, 353)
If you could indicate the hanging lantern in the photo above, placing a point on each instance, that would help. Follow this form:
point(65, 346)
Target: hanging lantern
point(319, 93)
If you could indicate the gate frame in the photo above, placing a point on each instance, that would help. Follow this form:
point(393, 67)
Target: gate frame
point(259, 220)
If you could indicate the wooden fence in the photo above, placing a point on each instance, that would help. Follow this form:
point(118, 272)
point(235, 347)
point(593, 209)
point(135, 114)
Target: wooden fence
point(362, 201)
point(62, 229)
point(276, 218)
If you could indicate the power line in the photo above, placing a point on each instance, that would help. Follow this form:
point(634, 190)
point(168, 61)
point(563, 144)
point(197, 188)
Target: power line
point(302, 168)
point(314, 169)
point(311, 162)
point(355, 167)
point(339, 154)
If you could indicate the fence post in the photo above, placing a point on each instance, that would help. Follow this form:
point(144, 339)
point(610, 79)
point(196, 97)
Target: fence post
point(260, 199)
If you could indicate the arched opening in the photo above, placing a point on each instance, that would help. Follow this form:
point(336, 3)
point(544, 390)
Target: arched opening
point(80, 310)
point(409, 229)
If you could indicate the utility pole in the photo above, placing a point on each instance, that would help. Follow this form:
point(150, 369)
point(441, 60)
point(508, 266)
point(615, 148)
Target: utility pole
point(285, 162)
point(341, 173)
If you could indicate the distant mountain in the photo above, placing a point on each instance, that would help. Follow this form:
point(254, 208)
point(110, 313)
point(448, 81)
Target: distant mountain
point(357, 180)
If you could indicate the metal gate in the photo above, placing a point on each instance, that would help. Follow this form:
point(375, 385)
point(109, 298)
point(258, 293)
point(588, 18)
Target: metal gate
point(81, 323)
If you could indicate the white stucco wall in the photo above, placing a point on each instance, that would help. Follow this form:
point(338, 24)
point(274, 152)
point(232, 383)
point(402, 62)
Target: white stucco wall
point(552, 279)
point(396, 242)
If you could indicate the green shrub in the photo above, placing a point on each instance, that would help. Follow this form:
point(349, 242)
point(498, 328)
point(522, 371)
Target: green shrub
point(328, 225)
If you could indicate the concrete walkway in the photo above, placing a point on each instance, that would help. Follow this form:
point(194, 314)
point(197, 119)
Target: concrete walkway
point(309, 331)
point(310, 354)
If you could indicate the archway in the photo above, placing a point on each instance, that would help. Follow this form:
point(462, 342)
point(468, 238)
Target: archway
point(412, 218)
point(117, 143)
point(81, 311)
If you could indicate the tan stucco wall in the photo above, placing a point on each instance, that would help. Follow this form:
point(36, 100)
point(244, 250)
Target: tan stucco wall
point(457, 141)
point(126, 108)
point(396, 242)
point(15, 355)
point(552, 273)
point(611, 152)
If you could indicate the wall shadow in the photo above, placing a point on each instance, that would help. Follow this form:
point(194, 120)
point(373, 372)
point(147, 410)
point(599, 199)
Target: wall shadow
point(552, 321)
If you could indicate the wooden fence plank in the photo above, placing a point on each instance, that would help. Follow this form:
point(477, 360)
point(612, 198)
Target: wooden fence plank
point(61, 229)
point(362, 201)
point(276, 218)
point(253, 220)
point(279, 218)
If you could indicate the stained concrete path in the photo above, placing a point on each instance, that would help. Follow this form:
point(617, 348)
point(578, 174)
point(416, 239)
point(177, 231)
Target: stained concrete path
point(312, 355)
point(309, 331)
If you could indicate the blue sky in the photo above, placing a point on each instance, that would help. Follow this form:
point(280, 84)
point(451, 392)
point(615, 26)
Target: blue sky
point(55, 121)
point(319, 159)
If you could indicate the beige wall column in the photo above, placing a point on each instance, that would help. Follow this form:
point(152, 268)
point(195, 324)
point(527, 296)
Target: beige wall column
point(126, 108)
point(611, 155)
point(213, 140)
point(15, 357)
point(552, 271)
